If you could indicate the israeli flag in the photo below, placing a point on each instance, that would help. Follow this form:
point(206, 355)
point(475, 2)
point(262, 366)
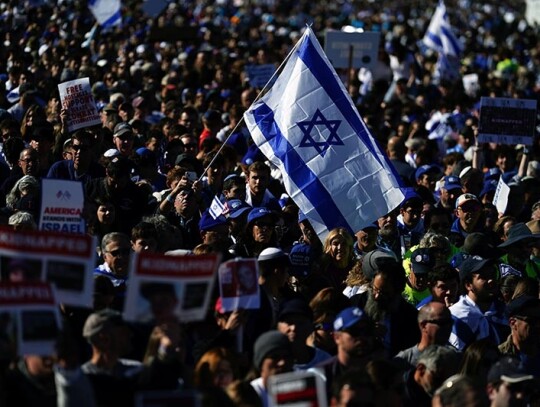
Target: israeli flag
point(216, 208)
point(308, 126)
point(106, 12)
point(439, 35)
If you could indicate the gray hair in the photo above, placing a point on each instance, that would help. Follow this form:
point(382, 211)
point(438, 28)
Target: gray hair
point(22, 218)
point(432, 239)
point(434, 357)
point(27, 183)
point(112, 237)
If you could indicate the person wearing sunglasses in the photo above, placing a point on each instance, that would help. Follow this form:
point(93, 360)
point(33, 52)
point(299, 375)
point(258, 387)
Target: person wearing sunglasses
point(435, 323)
point(468, 214)
point(524, 340)
point(115, 250)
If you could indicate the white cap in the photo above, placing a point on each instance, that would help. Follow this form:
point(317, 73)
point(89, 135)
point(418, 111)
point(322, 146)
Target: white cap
point(271, 253)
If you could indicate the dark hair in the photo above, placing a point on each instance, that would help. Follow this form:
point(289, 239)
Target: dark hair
point(144, 230)
point(435, 211)
point(443, 272)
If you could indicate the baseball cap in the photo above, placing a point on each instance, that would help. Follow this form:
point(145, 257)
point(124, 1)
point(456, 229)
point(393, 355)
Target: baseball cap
point(301, 256)
point(258, 213)
point(374, 259)
point(101, 320)
point(508, 369)
point(472, 265)
point(295, 306)
point(466, 198)
point(411, 198)
point(235, 208)
point(451, 182)
point(348, 318)
point(207, 222)
point(524, 305)
point(122, 128)
point(426, 169)
point(422, 261)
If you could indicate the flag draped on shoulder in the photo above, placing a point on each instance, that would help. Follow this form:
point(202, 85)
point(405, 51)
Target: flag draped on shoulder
point(106, 12)
point(308, 126)
point(440, 37)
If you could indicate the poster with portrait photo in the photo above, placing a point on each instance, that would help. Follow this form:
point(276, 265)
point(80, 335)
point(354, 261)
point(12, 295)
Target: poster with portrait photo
point(162, 287)
point(239, 284)
point(29, 317)
point(66, 260)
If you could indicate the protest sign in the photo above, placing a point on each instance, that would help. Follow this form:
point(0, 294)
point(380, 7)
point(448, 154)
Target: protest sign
point(239, 284)
point(532, 13)
point(364, 46)
point(62, 259)
point(297, 389)
point(62, 203)
point(500, 199)
point(76, 97)
point(259, 75)
point(29, 316)
point(507, 121)
point(162, 287)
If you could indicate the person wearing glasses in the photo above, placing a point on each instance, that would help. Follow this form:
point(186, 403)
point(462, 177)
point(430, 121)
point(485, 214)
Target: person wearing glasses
point(435, 323)
point(81, 166)
point(115, 251)
point(468, 219)
point(524, 340)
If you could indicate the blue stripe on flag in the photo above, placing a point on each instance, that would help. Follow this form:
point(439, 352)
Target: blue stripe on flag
point(456, 47)
point(435, 39)
point(112, 19)
point(298, 171)
point(320, 70)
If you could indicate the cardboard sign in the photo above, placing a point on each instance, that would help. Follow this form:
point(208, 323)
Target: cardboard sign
point(239, 284)
point(29, 317)
point(297, 389)
point(500, 199)
point(62, 203)
point(181, 284)
point(76, 97)
point(259, 75)
point(365, 49)
point(62, 259)
point(507, 121)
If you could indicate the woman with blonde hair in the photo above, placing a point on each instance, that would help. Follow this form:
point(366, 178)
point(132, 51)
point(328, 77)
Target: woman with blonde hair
point(216, 367)
point(337, 258)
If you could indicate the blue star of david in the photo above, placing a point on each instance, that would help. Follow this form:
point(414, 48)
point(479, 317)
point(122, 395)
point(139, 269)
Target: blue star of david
point(319, 120)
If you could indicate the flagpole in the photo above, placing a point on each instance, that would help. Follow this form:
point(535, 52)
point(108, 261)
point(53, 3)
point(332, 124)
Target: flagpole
point(260, 94)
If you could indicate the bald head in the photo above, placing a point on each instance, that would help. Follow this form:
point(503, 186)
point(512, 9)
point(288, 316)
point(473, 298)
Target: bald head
point(435, 323)
point(396, 148)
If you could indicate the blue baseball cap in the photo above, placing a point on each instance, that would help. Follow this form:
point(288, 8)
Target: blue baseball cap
point(493, 173)
point(302, 257)
point(451, 182)
point(207, 222)
point(489, 186)
point(411, 195)
point(349, 317)
point(258, 213)
point(425, 169)
point(235, 208)
point(422, 261)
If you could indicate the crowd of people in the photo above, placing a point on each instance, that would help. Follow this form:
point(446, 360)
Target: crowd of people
point(435, 303)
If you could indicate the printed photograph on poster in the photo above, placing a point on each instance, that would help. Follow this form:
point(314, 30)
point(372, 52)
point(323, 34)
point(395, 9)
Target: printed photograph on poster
point(239, 284)
point(30, 318)
point(16, 269)
point(164, 287)
point(507, 121)
point(76, 97)
point(65, 260)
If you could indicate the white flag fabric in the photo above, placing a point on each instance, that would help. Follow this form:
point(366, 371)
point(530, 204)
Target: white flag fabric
point(308, 126)
point(216, 208)
point(106, 12)
point(439, 35)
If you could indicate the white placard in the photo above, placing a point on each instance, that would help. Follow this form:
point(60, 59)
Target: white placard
point(62, 204)
point(62, 259)
point(239, 284)
point(182, 285)
point(500, 199)
point(297, 389)
point(365, 48)
point(76, 97)
point(30, 317)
